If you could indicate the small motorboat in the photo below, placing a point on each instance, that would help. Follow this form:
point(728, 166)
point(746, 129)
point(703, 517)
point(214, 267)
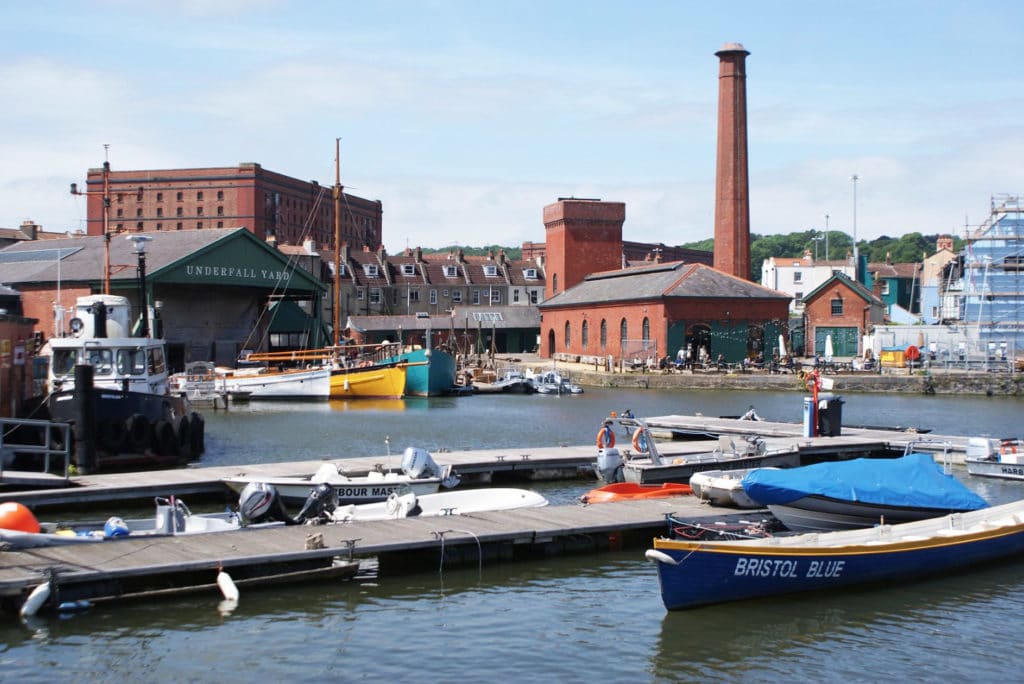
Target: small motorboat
point(723, 488)
point(1003, 458)
point(418, 469)
point(404, 503)
point(625, 491)
point(862, 492)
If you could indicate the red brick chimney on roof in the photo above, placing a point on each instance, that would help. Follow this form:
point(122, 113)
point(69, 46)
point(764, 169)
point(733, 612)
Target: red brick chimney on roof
point(732, 192)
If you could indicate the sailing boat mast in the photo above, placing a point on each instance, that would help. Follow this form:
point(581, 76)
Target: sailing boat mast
point(106, 214)
point(336, 304)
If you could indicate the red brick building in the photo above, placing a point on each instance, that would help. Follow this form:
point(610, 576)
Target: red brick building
point(655, 310)
point(582, 236)
point(266, 203)
point(844, 309)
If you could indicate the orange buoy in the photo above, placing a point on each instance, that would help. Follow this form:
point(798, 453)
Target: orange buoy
point(15, 516)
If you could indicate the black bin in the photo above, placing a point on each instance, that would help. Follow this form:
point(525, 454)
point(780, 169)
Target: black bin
point(830, 415)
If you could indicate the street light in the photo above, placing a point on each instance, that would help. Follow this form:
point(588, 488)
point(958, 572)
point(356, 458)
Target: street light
point(855, 178)
point(826, 237)
point(140, 252)
point(817, 238)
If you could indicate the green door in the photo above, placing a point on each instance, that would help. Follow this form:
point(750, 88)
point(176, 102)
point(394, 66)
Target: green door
point(844, 341)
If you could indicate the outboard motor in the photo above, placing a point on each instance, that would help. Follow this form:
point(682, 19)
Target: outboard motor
point(609, 465)
point(417, 464)
point(260, 502)
point(319, 505)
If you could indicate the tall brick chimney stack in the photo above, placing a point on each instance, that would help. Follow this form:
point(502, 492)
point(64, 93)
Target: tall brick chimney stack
point(732, 191)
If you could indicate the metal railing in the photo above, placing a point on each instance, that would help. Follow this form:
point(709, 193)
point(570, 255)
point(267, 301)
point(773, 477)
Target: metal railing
point(13, 435)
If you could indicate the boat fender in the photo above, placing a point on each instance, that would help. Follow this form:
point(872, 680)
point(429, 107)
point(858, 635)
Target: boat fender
point(113, 435)
point(656, 556)
point(183, 431)
point(605, 437)
point(227, 586)
point(640, 441)
point(164, 438)
point(198, 444)
point(35, 600)
point(137, 428)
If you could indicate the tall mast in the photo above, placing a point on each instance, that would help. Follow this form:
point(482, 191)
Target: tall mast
point(336, 304)
point(106, 226)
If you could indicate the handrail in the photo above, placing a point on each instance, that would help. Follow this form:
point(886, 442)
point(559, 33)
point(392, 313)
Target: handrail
point(47, 448)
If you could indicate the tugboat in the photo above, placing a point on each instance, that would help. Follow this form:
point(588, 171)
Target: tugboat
point(113, 389)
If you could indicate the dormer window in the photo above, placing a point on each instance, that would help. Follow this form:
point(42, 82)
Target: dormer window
point(490, 271)
point(371, 270)
point(530, 273)
point(408, 269)
point(451, 271)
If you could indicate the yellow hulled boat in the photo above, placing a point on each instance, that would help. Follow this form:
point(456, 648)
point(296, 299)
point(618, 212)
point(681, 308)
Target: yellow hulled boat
point(377, 382)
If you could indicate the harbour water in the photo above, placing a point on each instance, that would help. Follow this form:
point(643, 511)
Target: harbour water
point(568, 619)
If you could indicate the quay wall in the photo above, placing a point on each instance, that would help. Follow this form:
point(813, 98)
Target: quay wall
point(940, 382)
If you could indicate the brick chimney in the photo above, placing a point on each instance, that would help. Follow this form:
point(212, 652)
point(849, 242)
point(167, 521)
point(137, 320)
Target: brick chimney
point(732, 192)
point(29, 229)
point(944, 242)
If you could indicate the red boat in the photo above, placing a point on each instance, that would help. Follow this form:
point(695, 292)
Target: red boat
point(624, 491)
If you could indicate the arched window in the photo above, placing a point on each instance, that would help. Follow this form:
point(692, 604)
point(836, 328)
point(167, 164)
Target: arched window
point(623, 331)
point(646, 329)
point(567, 336)
point(604, 334)
point(554, 284)
point(585, 335)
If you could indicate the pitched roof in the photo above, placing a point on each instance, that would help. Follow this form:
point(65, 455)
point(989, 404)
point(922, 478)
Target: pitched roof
point(654, 281)
point(500, 317)
point(858, 289)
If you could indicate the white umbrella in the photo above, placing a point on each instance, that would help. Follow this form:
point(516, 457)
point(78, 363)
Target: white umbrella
point(828, 348)
point(782, 347)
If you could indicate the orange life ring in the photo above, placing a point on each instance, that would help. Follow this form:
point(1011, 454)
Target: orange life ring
point(1008, 447)
point(640, 441)
point(605, 437)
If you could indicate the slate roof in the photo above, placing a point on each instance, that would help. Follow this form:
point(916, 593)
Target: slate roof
point(500, 317)
point(81, 256)
point(655, 281)
point(858, 289)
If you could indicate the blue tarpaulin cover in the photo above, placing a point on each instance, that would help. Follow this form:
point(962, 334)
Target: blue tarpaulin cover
point(915, 480)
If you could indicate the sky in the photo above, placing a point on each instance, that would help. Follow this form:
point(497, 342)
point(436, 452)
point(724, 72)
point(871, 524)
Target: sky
point(466, 118)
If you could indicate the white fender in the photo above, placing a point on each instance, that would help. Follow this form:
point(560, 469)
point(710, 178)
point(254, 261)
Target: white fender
point(656, 556)
point(227, 586)
point(36, 600)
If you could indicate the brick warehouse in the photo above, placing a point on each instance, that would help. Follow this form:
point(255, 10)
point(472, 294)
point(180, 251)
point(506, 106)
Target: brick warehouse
point(266, 203)
point(654, 310)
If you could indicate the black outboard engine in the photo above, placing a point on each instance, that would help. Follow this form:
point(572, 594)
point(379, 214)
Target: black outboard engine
point(259, 502)
point(319, 505)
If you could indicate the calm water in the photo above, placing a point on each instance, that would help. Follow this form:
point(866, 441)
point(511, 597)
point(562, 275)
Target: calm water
point(582, 619)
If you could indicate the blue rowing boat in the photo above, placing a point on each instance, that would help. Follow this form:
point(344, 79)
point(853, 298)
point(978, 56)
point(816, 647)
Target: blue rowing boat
point(695, 573)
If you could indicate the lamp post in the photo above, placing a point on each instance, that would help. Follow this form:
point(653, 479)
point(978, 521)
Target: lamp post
point(105, 193)
point(855, 178)
point(826, 237)
point(140, 252)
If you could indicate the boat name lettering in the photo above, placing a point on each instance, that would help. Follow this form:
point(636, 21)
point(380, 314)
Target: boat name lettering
point(790, 569)
point(352, 492)
point(1011, 471)
point(825, 568)
point(765, 567)
point(235, 272)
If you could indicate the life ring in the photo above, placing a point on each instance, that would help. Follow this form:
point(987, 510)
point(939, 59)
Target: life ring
point(112, 434)
point(640, 441)
point(138, 432)
point(1008, 446)
point(605, 437)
